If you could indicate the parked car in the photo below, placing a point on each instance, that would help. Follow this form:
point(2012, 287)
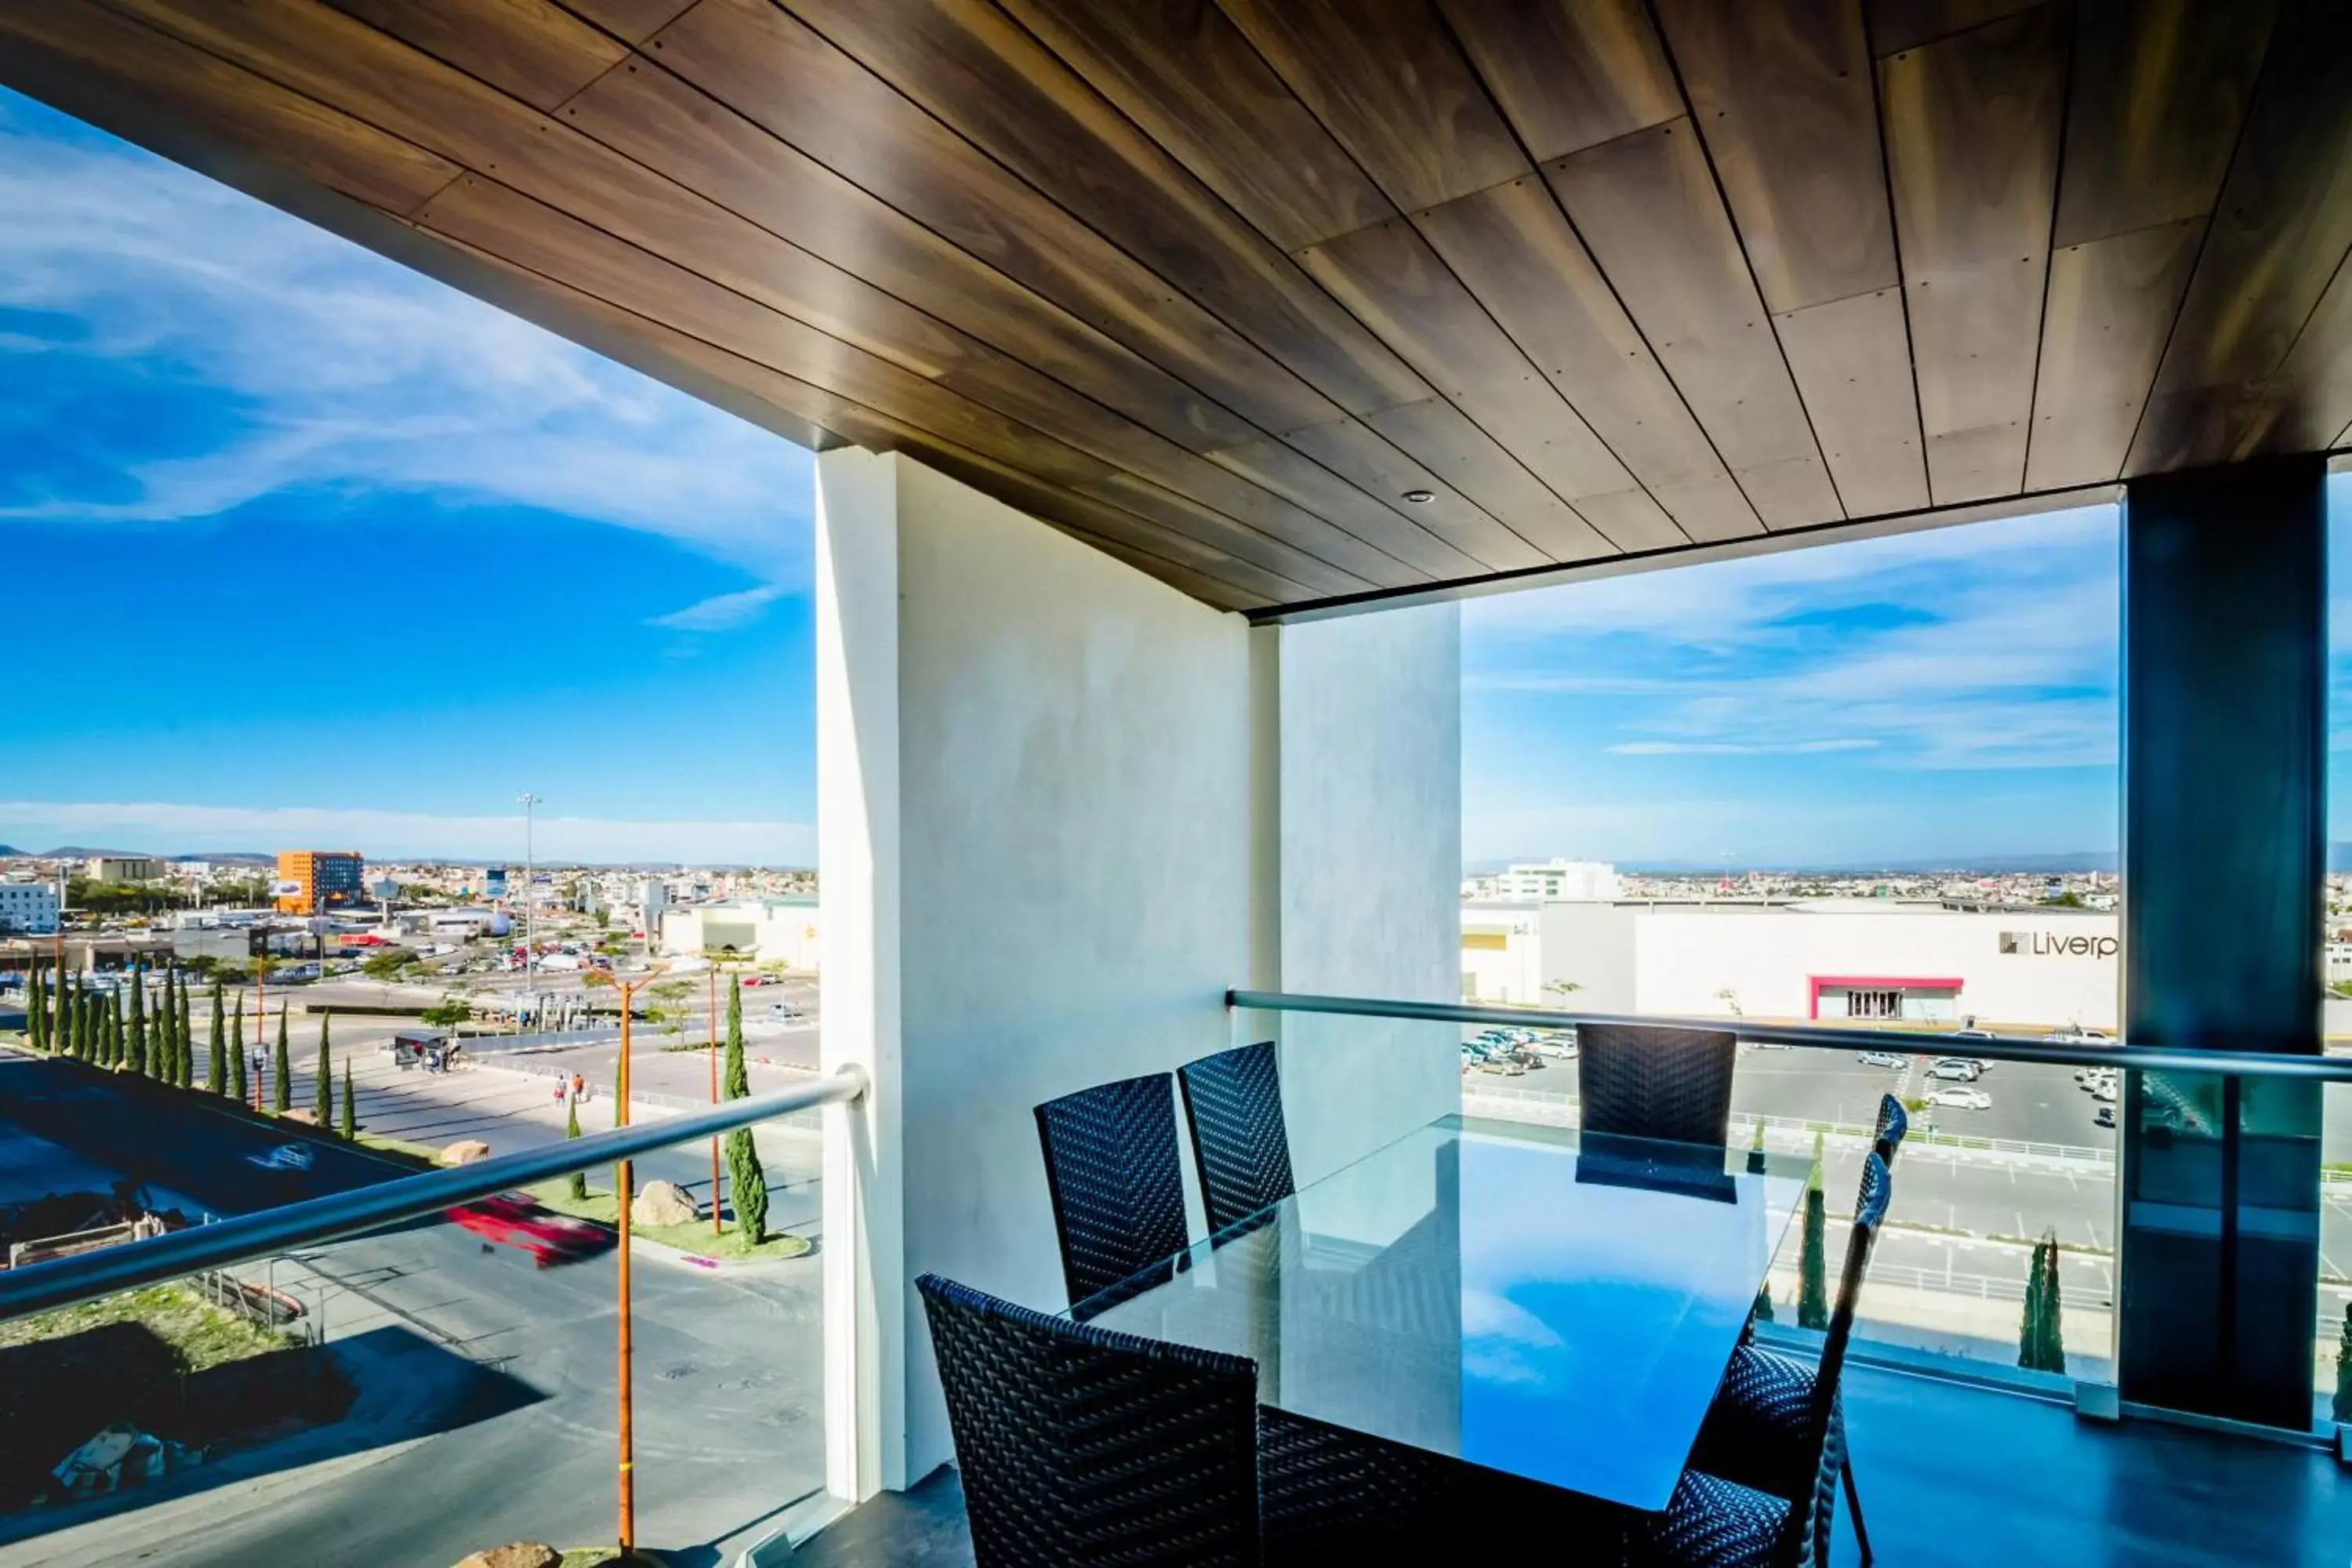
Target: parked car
point(1958, 1069)
point(285, 1157)
point(2108, 1092)
point(1503, 1065)
point(1880, 1060)
point(512, 1219)
point(1972, 1034)
point(1961, 1099)
point(2104, 1117)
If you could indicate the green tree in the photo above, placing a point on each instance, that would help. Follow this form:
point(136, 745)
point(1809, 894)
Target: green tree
point(447, 1014)
point(237, 1085)
point(350, 1108)
point(216, 1064)
point(745, 1177)
point(577, 1182)
point(2343, 1409)
point(135, 1040)
point(2053, 1333)
point(322, 1113)
point(2029, 1321)
point(281, 1071)
point(36, 1009)
point(118, 1034)
point(385, 962)
point(167, 1022)
point(184, 1032)
point(1813, 1259)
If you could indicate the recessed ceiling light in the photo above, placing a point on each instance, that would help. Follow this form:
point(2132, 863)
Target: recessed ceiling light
point(1419, 497)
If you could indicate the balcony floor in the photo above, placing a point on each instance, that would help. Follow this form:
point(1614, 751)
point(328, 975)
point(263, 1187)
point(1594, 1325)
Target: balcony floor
point(1949, 1475)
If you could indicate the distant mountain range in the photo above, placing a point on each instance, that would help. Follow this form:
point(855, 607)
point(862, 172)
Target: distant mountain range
point(2339, 858)
point(85, 852)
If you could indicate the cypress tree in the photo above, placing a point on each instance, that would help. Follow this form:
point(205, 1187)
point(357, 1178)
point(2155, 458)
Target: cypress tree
point(2053, 1332)
point(1813, 1259)
point(184, 1030)
point(2343, 1409)
point(744, 1176)
point(36, 1009)
point(236, 1051)
point(323, 1113)
point(350, 1108)
point(281, 1073)
point(167, 1025)
point(81, 1046)
point(1763, 1311)
point(216, 1064)
point(136, 1040)
point(577, 1182)
point(2029, 1323)
point(117, 1035)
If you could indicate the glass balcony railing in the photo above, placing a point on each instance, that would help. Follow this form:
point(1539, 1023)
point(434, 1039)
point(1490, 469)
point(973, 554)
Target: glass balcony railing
point(374, 1361)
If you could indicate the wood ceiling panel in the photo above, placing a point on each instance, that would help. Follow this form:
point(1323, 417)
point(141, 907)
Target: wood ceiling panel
point(1444, 440)
point(1397, 286)
point(233, 106)
point(1972, 140)
point(533, 49)
point(1647, 206)
point(1898, 24)
point(1182, 560)
point(631, 21)
point(1571, 74)
point(774, 70)
point(968, 63)
point(1367, 459)
point(553, 162)
point(662, 122)
point(2277, 237)
point(2160, 89)
point(1782, 97)
point(2111, 302)
point(1298, 478)
point(1513, 248)
point(1851, 358)
point(1385, 78)
point(1181, 70)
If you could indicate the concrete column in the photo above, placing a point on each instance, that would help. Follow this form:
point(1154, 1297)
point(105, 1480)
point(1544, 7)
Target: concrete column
point(866, 1284)
point(2224, 779)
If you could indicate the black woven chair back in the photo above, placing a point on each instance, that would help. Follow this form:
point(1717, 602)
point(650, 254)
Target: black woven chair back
point(1808, 1524)
point(1117, 1181)
point(1645, 1080)
point(1893, 1122)
point(1080, 1446)
point(1233, 1102)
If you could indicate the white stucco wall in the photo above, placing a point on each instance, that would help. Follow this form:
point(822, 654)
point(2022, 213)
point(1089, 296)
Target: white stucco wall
point(1371, 874)
point(1062, 809)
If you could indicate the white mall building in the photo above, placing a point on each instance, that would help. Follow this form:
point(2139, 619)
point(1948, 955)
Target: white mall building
point(1830, 959)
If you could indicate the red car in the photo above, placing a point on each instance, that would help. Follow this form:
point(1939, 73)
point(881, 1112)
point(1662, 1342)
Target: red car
point(512, 1219)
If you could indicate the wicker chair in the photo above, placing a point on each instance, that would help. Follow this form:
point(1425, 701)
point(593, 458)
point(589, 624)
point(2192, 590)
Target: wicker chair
point(1717, 1522)
point(1079, 1447)
point(1233, 1103)
point(1116, 1183)
point(1644, 1080)
point(1754, 1432)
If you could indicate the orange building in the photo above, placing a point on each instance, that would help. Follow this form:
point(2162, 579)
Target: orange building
point(311, 880)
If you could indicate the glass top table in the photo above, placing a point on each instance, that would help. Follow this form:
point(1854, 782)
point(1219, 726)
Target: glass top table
point(1552, 1305)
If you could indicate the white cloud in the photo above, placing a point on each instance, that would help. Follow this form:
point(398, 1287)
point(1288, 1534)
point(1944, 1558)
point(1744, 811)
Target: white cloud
point(168, 828)
point(722, 612)
point(1742, 749)
point(343, 369)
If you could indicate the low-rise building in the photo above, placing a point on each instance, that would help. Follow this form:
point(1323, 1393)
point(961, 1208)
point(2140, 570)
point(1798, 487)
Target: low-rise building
point(122, 869)
point(1826, 960)
point(28, 908)
point(775, 930)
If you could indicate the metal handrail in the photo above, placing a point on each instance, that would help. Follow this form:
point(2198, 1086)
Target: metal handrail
point(1991, 1047)
point(45, 1287)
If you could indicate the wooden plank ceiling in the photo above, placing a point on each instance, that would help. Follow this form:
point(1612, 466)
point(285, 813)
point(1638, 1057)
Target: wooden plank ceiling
point(1285, 301)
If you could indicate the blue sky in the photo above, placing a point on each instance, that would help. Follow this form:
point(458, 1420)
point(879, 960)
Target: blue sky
point(1947, 693)
point(307, 548)
point(310, 549)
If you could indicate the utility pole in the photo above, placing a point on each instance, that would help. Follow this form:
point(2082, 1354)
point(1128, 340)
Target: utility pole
point(621, 1194)
point(529, 801)
point(714, 1090)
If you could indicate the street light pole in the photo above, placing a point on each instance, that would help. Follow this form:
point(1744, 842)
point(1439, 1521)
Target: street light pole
point(714, 1090)
point(530, 944)
point(621, 1193)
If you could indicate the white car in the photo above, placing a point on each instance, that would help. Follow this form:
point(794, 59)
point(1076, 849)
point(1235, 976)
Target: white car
point(1961, 1099)
point(2107, 1091)
point(285, 1157)
point(1958, 1069)
point(1880, 1060)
